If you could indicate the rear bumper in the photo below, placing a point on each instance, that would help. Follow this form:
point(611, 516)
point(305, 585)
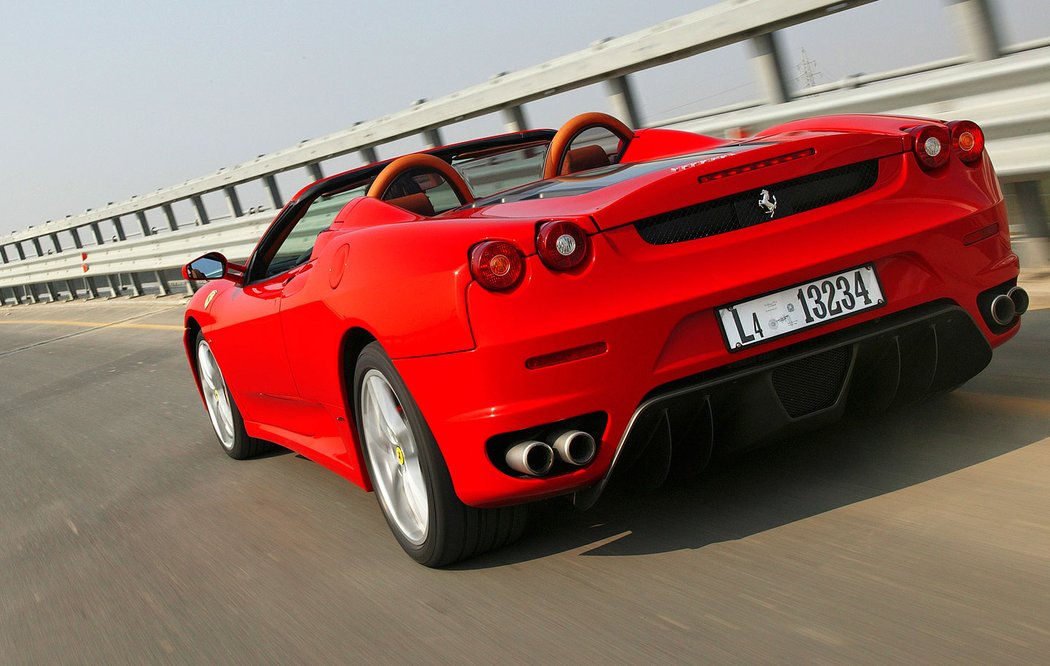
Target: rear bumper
point(893, 360)
point(654, 308)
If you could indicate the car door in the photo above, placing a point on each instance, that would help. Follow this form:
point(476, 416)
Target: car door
point(245, 337)
point(282, 267)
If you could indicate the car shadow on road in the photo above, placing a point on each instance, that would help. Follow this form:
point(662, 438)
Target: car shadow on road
point(1002, 410)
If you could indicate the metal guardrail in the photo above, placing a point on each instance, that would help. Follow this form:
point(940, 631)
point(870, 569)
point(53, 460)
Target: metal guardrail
point(1004, 89)
point(143, 262)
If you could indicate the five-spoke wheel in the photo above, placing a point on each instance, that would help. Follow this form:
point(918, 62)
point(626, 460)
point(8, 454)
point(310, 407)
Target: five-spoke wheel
point(392, 449)
point(225, 417)
point(409, 476)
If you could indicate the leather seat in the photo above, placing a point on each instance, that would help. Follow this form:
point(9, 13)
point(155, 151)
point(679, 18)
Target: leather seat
point(585, 157)
point(417, 203)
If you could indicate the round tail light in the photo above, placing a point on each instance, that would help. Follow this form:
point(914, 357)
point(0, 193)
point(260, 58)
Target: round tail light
point(497, 265)
point(932, 145)
point(967, 141)
point(562, 245)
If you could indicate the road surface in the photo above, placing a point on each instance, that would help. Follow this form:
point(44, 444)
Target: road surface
point(126, 535)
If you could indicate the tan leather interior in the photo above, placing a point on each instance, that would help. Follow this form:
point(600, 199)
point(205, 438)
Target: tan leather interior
point(555, 163)
point(585, 157)
point(417, 203)
point(421, 161)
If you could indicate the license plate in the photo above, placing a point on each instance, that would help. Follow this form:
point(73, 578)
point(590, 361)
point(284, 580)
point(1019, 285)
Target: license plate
point(801, 306)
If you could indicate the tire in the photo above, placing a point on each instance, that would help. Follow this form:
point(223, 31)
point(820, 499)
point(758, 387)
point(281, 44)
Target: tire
point(409, 475)
point(225, 418)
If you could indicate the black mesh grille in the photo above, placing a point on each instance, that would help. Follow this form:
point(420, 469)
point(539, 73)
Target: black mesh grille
point(812, 383)
point(742, 210)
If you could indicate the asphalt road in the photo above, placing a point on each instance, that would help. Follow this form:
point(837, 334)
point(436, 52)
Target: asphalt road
point(126, 535)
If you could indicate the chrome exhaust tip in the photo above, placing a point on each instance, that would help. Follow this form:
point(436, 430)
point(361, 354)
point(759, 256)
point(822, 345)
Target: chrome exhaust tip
point(530, 457)
point(575, 447)
point(1002, 310)
point(1020, 298)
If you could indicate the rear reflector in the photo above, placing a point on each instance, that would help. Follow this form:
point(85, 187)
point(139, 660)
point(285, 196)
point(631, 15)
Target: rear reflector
point(564, 356)
point(981, 234)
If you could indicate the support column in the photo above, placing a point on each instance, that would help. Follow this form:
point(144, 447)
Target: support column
point(369, 155)
point(75, 233)
point(621, 97)
point(89, 287)
point(55, 243)
point(3, 296)
point(233, 201)
point(118, 226)
point(433, 137)
point(28, 294)
point(114, 286)
point(96, 232)
point(270, 183)
point(140, 215)
point(21, 252)
point(136, 284)
point(314, 169)
point(169, 215)
point(70, 289)
point(202, 212)
point(36, 246)
point(767, 57)
point(50, 292)
point(3, 255)
point(162, 284)
point(978, 25)
point(514, 118)
point(1033, 211)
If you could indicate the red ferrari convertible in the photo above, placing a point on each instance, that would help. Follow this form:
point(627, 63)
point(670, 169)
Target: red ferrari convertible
point(475, 327)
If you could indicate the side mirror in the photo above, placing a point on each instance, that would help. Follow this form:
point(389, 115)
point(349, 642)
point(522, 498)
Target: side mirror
point(212, 266)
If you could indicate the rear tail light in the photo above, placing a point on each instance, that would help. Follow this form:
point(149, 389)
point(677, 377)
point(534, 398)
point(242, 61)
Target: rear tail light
point(497, 265)
point(932, 145)
point(967, 140)
point(562, 245)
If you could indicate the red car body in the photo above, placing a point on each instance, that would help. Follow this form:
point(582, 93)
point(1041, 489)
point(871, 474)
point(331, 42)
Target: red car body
point(630, 340)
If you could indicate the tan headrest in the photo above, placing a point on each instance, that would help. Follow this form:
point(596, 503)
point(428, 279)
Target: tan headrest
point(417, 203)
point(586, 157)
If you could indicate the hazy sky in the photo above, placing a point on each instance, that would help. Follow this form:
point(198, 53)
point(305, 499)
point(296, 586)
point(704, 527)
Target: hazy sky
point(102, 100)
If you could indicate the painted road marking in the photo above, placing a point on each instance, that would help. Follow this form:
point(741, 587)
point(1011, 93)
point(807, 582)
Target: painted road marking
point(93, 324)
point(84, 328)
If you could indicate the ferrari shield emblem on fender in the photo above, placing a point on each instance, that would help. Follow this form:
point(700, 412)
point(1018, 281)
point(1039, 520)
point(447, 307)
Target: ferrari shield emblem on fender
point(768, 203)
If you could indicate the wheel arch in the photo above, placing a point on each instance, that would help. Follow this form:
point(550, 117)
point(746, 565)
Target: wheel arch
point(189, 337)
point(354, 340)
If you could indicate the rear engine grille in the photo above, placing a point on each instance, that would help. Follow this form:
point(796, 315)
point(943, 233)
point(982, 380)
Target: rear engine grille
point(812, 383)
point(743, 210)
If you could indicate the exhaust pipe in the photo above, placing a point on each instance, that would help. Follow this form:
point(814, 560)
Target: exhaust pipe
point(1020, 298)
point(532, 458)
point(575, 447)
point(1003, 310)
